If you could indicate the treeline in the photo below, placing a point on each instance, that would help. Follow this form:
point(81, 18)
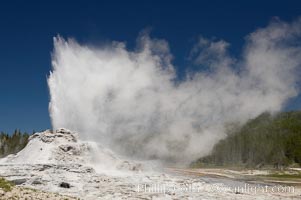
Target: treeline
point(264, 141)
point(12, 143)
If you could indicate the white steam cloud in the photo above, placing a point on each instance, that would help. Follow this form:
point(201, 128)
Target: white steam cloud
point(129, 101)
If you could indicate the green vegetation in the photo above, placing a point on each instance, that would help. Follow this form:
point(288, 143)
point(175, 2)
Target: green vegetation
point(264, 141)
point(6, 185)
point(286, 176)
point(11, 144)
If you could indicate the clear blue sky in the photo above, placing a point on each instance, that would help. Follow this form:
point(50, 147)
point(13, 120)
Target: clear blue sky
point(27, 29)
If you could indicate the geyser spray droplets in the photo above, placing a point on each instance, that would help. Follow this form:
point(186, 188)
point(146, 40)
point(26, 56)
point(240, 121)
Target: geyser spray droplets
point(128, 100)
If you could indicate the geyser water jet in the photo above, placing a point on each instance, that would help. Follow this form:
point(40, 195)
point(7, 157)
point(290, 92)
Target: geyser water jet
point(129, 101)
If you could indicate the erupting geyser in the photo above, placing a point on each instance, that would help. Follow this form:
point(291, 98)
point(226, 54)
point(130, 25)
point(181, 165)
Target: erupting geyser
point(130, 101)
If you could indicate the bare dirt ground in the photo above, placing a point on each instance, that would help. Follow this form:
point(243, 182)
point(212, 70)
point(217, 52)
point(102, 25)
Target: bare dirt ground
point(23, 193)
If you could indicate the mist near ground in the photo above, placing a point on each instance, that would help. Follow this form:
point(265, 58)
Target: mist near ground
point(131, 101)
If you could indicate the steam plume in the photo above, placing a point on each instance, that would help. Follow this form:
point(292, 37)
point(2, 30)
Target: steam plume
point(128, 100)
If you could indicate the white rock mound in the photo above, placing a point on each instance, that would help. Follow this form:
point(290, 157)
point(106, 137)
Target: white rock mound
point(62, 147)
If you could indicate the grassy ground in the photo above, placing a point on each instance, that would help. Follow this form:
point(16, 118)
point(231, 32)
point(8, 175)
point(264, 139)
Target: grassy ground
point(284, 175)
point(5, 185)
